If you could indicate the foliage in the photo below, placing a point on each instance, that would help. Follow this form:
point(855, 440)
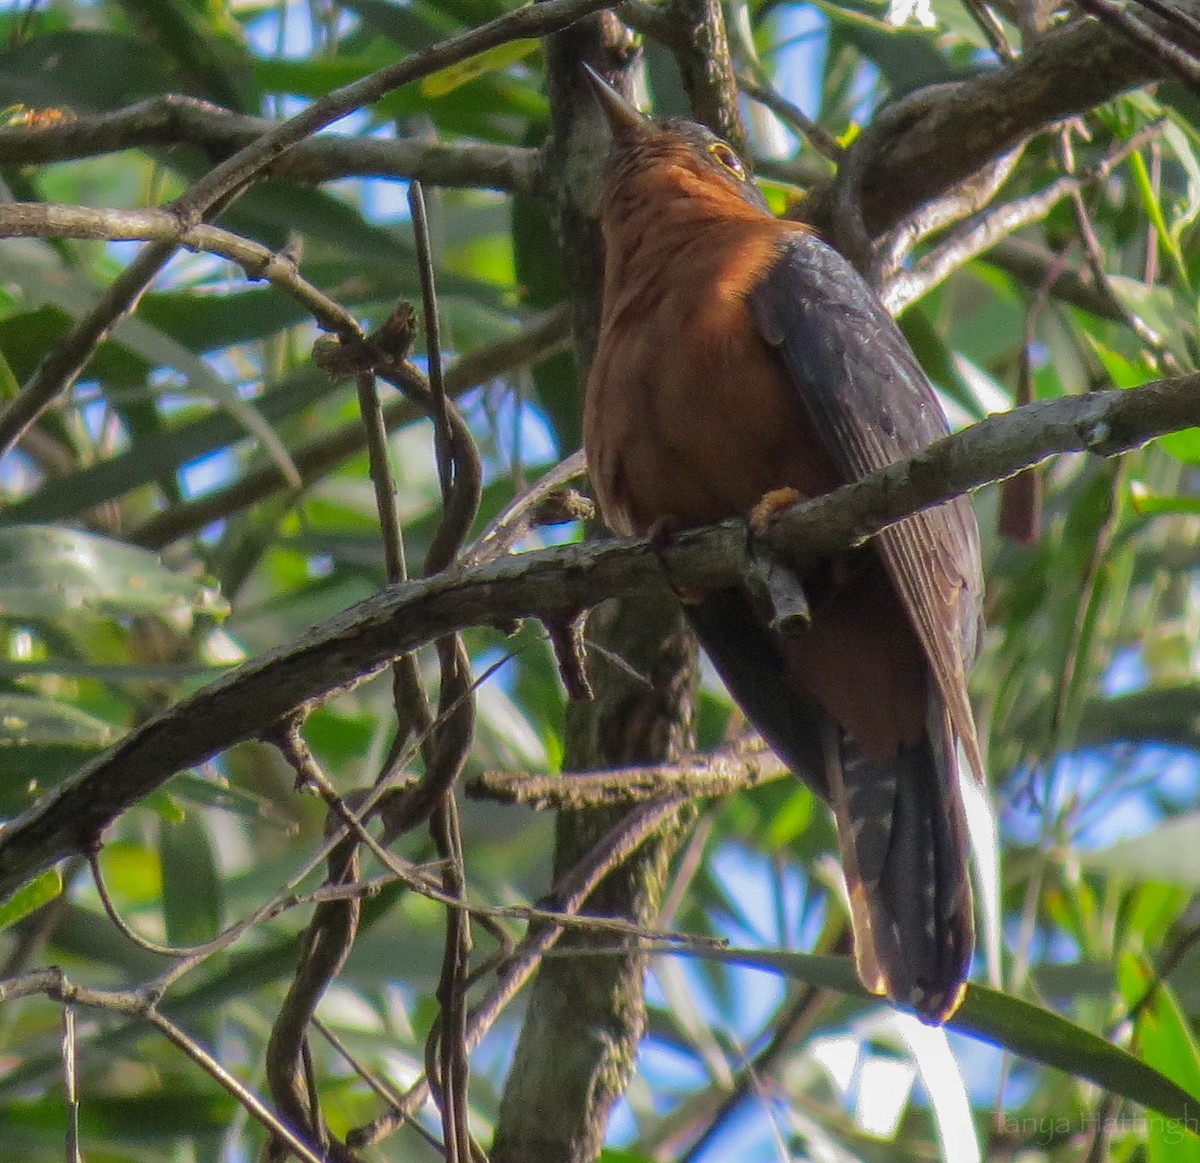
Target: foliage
point(201, 429)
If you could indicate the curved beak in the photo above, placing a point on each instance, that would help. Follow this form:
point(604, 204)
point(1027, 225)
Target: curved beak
point(623, 119)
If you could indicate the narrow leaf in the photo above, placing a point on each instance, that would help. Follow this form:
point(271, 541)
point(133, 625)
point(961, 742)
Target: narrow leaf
point(1009, 1022)
point(40, 891)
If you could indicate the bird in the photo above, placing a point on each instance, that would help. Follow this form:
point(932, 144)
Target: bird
point(741, 363)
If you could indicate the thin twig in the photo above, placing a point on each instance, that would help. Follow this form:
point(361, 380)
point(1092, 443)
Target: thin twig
point(66, 359)
point(52, 220)
point(140, 1004)
point(518, 517)
point(791, 115)
point(960, 202)
point(191, 955)
point(433, 343)
point(175, 120)
point(851, 234)
point(451, 1027)
point(989, 24)
point(986, 229)
point(609, 852)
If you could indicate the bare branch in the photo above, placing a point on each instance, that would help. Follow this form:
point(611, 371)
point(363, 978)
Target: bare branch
point(986, 229)
point(724, 771)
point(64, 363)
point(174, 120)
point(554, 584)
point(51, 220)
point(1067, 72)
point(53, 983)
point(1173, 58)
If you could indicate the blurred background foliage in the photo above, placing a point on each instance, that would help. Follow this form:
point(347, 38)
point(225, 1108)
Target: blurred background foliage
point(1088, 690)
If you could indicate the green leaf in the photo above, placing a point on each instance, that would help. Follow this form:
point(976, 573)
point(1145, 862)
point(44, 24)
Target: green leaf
point(1183, 445)
point(1164, 1036)
point(39, 891)
point(30, 720)
point(1181, 138)
point(204, 50)
point(1166, 854)
point(9, 385)
point(150, 457)
point(1149, 504)
point(217, 792)
point(448, 79)
point(48, 571)
point(193, 893)
point(1158, 308)
point(1026, 1029)
point(84, 70)
point(132, 872)
point(1124, 373)
point(1046, 1037)
point(70, 292)
point(1168, 241)
point(42, 742)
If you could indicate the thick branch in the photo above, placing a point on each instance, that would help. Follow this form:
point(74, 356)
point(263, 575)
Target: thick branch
point(553, 584)
point(1066, 73)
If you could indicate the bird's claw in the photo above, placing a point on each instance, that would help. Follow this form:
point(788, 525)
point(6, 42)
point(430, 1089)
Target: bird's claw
point(763, 515)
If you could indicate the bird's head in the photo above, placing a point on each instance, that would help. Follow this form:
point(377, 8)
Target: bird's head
point(670, 157)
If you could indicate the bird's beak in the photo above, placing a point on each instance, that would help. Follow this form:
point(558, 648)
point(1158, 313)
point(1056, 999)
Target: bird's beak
point(623, 119)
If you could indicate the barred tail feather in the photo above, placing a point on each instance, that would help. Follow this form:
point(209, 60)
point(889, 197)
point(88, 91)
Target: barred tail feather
point(900, 819)
point(903, 836)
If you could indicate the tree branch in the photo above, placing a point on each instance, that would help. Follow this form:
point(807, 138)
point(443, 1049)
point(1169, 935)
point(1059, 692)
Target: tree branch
point(174, 120)
point(1066, 73)
point(52, 220)
point(717, 774)
point(65, 361)
point(554, 584)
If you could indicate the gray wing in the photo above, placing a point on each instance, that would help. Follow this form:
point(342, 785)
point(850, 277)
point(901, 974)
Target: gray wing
point(872, 405)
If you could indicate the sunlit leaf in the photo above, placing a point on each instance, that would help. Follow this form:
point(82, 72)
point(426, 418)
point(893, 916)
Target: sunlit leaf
point(1184, 444)
point(39, 891)
point(49, 571)
point(1025, 1029)
point(1163, 1035)
point(1168, 853)
point(440, 83)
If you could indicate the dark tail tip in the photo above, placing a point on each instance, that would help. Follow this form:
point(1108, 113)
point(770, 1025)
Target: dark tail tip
point(903, 836)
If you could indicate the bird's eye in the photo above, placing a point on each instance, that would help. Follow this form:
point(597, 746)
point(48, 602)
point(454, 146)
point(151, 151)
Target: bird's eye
point(727, 159)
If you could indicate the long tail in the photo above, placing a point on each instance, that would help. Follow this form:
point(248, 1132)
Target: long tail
point(903, 836)
point(900, 821)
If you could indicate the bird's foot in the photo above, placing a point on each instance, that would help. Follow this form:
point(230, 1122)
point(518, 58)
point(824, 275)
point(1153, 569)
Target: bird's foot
point(764, 514)
point(775, 588)
point(659, 535)
point(661, 532)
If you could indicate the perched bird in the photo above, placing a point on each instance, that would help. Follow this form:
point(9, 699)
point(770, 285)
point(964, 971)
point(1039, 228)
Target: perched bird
point(742, 364)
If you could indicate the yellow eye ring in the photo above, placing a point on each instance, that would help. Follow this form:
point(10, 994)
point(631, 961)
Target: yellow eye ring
point(724, 156)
